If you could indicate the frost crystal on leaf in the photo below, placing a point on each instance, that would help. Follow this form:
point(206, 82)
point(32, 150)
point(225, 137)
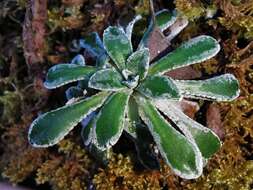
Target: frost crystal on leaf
point(133, 95)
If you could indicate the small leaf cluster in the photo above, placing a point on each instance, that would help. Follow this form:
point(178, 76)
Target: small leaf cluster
point(129, 94)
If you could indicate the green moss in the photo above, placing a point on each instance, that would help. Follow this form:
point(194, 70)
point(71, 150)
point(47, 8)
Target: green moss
point(192, 10)
point(9, 106)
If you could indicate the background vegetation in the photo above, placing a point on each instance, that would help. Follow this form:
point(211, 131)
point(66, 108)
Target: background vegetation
point(36, 34)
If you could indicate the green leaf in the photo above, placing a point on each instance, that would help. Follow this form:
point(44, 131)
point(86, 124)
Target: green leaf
point(117, 45)
point(165, 18)
point(93, 44)
point(138, 63)
point(95, 47)
point(103, 61)
point(62, 74)
point(159, 87)
point(207, 141)
point(87, 132)
point(221, 88)
point(180, 153)
point(73, 92)
point(143, 142)
point(130, 26)
point(140, 136)
point(101, 157)
point(49, 128)
point(78, 60)
point(110, 120)
point(133, 118)
point(194, 51)
point(146, 36)
point(106, 79)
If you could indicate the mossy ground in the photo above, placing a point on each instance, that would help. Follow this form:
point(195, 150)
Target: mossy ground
point(25, 59)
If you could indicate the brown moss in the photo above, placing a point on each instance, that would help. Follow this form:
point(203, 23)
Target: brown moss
point(19, 159)
point(209, 67)
point(100, 16)
point(230, 167)
point(238, 18)
point(72, 168)
point(244, 72)
point(68, 16)
point(232, 178)
point(120, 175)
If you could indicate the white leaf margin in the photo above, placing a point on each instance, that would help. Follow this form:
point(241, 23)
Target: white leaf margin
point(102, 87)
point(170, 109)
point(116, 137)
point(64, 133)
point(198, 156)
point(130, 26)
point(171, 21)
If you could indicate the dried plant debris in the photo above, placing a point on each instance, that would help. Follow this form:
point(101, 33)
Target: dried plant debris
point(238, 18)
point(34, 33)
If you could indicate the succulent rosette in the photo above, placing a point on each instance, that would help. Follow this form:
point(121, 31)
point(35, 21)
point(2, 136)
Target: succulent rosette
point(132, 93)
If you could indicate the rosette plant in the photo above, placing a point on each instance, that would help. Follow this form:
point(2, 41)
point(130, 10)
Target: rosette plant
point(131, 93)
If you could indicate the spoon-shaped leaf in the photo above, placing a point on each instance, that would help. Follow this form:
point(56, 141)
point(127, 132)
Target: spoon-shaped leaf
point(133, 118)
point(179, 152)
point(73, 92)
point(194, 51)
point(78, 60)
point(93, 44)
point(117, 45)
point(142, 143)
point(207, 141)
point(222, 88)
point(130, 26)
point(165, 18)
point(138, 63)
point(49, 128)
point(62, 74)
point(107, 80)
point(177, 27)
point(140, 136)
point(159, 87)
point(146, 36)
point(110, 120)
point(87, 132)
